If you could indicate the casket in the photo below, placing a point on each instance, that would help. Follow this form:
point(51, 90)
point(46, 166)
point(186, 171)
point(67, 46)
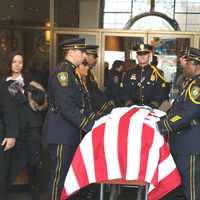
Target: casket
point(124, 146)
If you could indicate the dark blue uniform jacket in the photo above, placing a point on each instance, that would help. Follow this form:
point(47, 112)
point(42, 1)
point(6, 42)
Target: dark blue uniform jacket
point(183, 120)
point(65, 117)
point(144, 86)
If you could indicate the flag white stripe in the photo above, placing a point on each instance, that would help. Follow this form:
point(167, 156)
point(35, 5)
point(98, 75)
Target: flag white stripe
point(151, 187)
point(111, 121)
point(154, 155)
point(166, 167)
point(111, 148)
point(88, 156)
point(134, 144)
point(72, 185)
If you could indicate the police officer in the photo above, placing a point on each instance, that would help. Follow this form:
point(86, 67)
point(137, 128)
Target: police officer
point(81, 72)
point(91, 60)
point(8, 134)
point(100, 101)
point(65, 117)
point(144, 84)
point(182, 123)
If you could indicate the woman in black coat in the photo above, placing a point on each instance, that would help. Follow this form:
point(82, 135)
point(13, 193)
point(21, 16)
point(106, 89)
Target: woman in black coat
point(8, 134)
point(31, 101)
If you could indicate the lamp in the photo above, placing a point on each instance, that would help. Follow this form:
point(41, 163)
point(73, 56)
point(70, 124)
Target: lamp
point(47, 33)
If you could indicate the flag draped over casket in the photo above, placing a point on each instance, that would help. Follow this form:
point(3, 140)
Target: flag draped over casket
point(124, 145)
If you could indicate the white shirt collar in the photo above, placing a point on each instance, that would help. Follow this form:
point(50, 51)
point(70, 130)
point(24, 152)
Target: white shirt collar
point(18, 78)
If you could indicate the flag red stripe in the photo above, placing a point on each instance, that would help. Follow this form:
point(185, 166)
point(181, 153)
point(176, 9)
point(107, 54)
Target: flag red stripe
point(79, 166)
point(63, 194)
point(162, 187)
point(146, 143)
point(100, 165)
point(154, 180)
point(164, 152)
point(123, 129)
point(166, 185)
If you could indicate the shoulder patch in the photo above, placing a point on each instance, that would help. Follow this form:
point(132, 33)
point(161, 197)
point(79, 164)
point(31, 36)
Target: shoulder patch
point(195, 92)
point(63, 78)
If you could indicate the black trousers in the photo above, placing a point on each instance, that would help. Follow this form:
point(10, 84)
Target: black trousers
point(61, 157)
point(189, 168)
point(5, 166)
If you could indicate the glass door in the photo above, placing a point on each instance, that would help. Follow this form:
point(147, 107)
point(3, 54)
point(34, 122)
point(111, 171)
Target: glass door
point(118, 47)
point(168, 48)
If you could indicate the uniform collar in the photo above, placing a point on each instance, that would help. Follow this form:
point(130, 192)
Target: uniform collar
point(72, 65)
point(143, 67)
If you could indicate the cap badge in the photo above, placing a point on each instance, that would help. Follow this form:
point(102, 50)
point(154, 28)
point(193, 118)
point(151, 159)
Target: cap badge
point(142, 47)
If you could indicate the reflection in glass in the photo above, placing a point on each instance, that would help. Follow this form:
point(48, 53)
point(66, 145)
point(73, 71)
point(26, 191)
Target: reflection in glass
point(67, 13)
point(20, 12)
point(76, 13)
point(31, 43)
point(168, 52)
point(119, 48)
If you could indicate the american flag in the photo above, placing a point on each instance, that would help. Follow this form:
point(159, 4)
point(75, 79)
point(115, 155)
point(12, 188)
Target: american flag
point(124, 145)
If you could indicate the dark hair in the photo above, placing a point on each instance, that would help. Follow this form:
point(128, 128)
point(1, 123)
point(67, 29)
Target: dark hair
point(10, 60)
point(24, 72)
point(116, 64)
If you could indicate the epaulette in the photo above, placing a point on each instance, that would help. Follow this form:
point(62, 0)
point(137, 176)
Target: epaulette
point(158, 73)
point(193, 92)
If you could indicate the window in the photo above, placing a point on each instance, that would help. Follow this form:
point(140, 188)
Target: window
point(118, 12)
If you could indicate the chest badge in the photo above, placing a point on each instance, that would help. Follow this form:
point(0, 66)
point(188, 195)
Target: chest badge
point(133, 77)
point(63, 78)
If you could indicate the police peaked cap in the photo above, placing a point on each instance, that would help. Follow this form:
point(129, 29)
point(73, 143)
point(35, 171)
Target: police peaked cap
point(92, 49)
point(143, 48)
point(193, 54)
point(73, 43)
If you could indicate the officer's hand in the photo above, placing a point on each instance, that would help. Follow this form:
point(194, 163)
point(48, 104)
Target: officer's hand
point(8, 143)
point(129, 103)
point(160, 128)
